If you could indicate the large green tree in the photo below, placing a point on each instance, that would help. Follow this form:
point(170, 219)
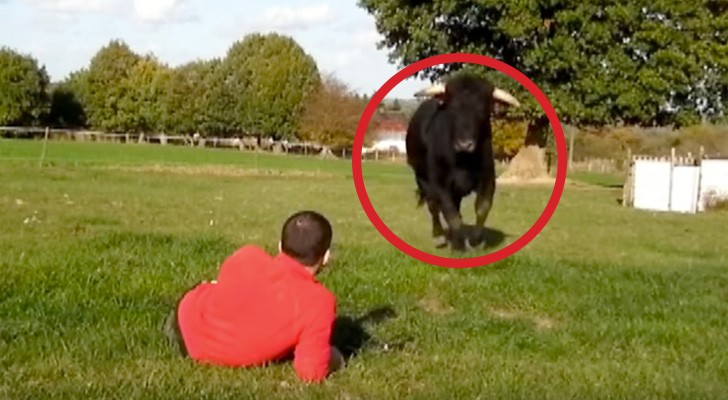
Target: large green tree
point(144, 90)
point(599, 61)
point(120, 91)
point(106, 91)
point(224, 87)
point(271, 78)
point(183, 106)
point(23, 89)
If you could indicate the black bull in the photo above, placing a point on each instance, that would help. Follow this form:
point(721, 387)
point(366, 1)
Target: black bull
point(449, 148)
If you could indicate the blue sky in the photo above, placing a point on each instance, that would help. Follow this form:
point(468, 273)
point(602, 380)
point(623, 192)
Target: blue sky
point(64, 34)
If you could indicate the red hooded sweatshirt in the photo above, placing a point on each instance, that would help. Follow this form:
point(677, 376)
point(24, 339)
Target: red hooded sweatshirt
point(260, 309)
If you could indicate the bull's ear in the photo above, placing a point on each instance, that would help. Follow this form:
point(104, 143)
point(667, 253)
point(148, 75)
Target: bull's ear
point(505, 97)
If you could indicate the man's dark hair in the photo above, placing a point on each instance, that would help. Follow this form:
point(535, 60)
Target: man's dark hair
point(306, 236)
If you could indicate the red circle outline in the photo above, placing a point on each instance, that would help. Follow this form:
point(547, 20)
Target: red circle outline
point(359, 179)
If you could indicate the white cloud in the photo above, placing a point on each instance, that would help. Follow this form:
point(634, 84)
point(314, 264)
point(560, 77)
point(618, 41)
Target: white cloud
point(74, 5)
point(56, 16)
point(291, 18)
point(353, 48)
point(347, 57)
point(161, 11)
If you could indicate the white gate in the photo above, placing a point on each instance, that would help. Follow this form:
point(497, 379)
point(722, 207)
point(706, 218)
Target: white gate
point(676, 184)
point(713, 182)
point(685, 184)
point(652, 185)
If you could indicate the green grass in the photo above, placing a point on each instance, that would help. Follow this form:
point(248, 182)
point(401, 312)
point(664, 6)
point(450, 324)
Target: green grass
point(611, 180)
point(607, 302)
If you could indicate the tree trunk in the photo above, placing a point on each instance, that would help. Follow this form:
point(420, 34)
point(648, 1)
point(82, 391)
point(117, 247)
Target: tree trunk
point(530, 161)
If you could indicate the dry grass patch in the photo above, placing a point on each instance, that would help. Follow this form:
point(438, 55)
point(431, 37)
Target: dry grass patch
point(433, 304)
point(540, 322)
point(218, 170)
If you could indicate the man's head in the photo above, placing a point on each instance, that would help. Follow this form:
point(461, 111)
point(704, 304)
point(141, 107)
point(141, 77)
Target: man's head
point(306, 237)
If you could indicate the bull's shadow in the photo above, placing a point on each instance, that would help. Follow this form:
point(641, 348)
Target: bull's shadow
point(351, 337)
point(479, 238)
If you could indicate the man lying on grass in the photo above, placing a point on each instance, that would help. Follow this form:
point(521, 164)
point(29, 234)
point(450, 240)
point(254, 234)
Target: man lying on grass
point(264, 308)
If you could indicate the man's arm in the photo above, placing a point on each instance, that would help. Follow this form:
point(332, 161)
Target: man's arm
point(313, 353)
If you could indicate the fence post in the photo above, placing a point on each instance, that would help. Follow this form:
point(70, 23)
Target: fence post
point(45, 144)
point(571, 147)
point(629, 158)
point(628, 188)
point(672, 168)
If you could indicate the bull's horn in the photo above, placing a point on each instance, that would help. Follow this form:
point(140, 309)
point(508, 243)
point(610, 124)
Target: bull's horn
point(502, 95)
point(431, 91)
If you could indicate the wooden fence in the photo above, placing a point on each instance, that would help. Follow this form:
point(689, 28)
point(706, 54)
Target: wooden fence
point(241, 142)
point(252, 143)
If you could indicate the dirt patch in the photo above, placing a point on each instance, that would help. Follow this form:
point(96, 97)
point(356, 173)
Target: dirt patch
point(540, 322)
point(219, 170)
point(544, 323)
point(547, 181)
point(433, 305)
point(514, 180)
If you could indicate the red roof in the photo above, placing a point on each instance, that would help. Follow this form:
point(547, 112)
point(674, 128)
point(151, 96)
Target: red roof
point(391, 125)
point(389, 122)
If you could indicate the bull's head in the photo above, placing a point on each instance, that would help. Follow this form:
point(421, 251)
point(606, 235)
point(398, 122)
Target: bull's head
point(469, 102)
point(438, 91)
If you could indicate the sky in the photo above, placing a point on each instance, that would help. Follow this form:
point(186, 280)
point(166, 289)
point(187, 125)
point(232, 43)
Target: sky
point(63, 35)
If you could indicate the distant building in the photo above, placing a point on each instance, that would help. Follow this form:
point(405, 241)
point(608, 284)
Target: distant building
point(389, 135)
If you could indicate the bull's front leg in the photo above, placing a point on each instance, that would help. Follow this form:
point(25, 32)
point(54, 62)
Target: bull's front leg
point(449, 205)
point(483, 205)
point(433, 205)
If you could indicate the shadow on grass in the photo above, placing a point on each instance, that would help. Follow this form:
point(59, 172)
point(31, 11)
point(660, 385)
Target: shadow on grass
point(481, 238)
point(351, 337)
point(613, 185)
point(488, 237)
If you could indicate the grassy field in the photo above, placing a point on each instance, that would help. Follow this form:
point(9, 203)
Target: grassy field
point(607, 302)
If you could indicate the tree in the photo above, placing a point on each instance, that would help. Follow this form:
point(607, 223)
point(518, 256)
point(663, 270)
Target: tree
point(120, 91)
point(144, 89)
point(224, 86)
point(106, 88)
point(184, 101)
point(332, 114)
point(272, 79)
point(23, 85)
point(66, 108)
point(69, 101)
point(599, 62)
